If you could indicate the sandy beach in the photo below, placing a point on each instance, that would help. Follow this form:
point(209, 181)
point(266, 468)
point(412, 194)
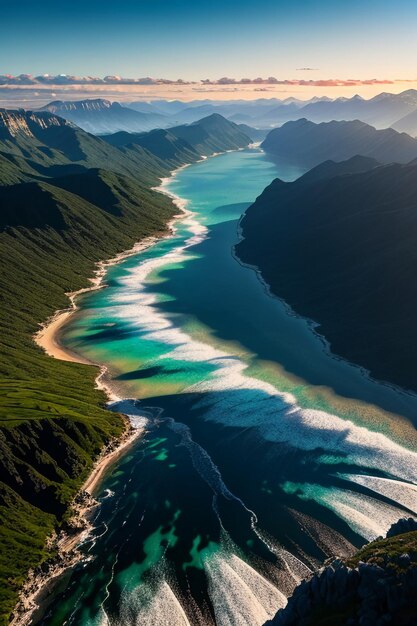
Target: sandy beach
point(48, 336)
point(40, 584)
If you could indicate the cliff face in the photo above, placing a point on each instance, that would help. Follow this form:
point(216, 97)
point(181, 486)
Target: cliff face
point(13, 123)
point(376, 587)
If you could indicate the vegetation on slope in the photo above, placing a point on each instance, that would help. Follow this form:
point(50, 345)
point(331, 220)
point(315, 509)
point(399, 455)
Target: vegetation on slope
point(67, 200)
point(58, 218)
point(52, 425)
point(341, 251)
point(187, 143)
point(309, 144)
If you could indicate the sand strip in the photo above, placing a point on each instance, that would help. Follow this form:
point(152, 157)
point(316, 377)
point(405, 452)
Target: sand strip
point(41, 582)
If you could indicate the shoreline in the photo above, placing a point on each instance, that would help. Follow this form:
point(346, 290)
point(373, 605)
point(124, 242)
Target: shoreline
point(47, 337)
point(41, 581)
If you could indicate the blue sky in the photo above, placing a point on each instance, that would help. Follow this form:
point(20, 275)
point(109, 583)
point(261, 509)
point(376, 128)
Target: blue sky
point(195, 40)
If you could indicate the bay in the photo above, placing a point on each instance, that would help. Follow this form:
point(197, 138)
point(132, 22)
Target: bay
point(263, 455)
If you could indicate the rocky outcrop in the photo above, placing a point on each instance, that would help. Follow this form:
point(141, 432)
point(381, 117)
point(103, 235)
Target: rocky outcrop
point(376, 587)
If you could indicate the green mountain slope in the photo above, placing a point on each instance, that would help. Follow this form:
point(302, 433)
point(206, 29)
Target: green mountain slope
point(341, 251)
point(187, 143)
point(162, 143)
point(52, 425)
point(67, 200)
point(212, 134)
point(309, 144)
point(43, 145)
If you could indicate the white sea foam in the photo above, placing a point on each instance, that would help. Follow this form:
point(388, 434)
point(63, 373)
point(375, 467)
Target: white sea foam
point(367, 516)
point(150, 606)
point(132, 409)
point(293, 567)
point(101, 619)
point(329, 541)
point(275, 415)
point(240, 595)
point(403, 493)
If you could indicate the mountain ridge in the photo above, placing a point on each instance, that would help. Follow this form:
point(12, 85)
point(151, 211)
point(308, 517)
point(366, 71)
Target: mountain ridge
point(374, 252)
point(308, 143)
point(186, 143)
point(100, 116)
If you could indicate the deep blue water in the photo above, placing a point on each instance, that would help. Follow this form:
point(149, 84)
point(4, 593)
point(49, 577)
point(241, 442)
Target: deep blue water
point(263, 453)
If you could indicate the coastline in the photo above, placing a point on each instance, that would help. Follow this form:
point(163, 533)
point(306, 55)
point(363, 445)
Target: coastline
point(47, 337)
point(41, 582)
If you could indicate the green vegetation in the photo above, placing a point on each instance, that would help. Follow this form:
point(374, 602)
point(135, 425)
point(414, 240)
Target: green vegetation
point(52, 424)
point(67, 200)
point(187, 143)
point(387, 552)
point(359, 228)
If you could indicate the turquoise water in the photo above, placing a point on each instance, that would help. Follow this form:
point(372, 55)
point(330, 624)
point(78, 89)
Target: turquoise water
point(263, 456)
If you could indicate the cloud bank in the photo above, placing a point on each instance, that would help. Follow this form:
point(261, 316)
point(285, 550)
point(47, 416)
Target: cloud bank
point(47, 80)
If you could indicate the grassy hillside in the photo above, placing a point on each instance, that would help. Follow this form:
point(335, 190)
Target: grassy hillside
point(54, 227)
point(52, 425)
point(187, 143)
point(45, 146)
point(67, 200)
point(163, 144)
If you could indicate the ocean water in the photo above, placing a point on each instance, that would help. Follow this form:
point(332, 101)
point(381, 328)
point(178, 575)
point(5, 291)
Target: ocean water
point(264, 454)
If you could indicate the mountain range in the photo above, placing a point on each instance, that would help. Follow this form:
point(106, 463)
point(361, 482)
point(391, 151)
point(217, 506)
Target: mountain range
point(308, 144)
point(381, 111)
point(187, 143)
point(338, 245)
point(100, 116)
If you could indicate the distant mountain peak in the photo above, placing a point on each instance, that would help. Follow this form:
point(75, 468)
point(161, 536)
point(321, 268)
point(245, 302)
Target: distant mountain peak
point(213, 117)
point(100, 116)
point(94, 104)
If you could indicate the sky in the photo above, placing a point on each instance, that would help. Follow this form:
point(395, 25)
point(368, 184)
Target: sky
point(292, 40)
